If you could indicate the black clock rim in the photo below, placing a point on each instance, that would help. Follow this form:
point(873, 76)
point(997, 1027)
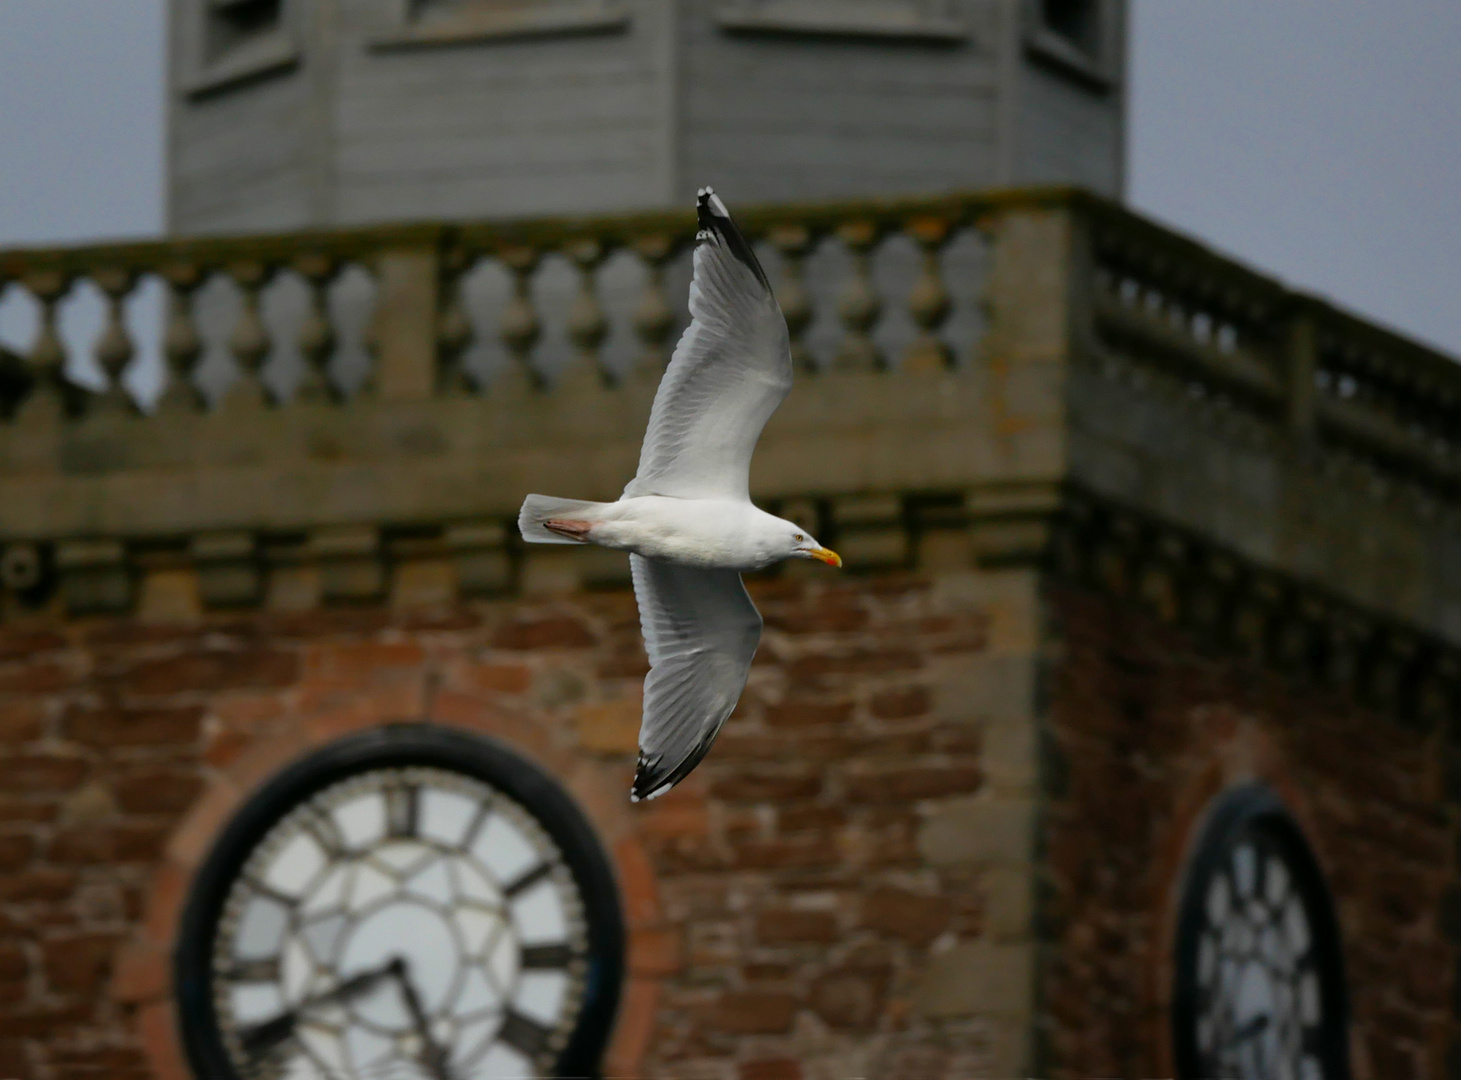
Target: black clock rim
point(1249, 806)
point(404, 745)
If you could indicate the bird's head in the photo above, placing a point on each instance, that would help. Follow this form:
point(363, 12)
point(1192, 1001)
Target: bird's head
point(804, 546)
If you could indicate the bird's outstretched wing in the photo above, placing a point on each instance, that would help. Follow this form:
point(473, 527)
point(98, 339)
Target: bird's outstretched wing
point(730, 371)
point(701, 630)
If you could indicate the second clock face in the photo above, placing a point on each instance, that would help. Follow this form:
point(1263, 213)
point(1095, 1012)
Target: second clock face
point(403, 921)
point(1260, 988)
point(1262, 1008)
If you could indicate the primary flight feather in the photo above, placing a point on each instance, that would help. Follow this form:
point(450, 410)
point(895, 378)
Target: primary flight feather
point(686, 518)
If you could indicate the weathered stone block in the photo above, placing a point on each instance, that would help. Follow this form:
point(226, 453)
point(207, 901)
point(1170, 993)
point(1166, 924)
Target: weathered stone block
point(78, 965)
point(771, 1069)
point(552, 632)
point(170, 595)
point(609, 728)
point(41, 773)
point(549, 571)
point(791, 853)
point(975, 977)
point(423, 583)
point(766, 784)
point(787, 926)
point(914, 782)
point(1009, 902)
point(868, 548)
point(752, 1013)
point(805, 712)
point(211, 671)
point(157, 791)
point(95, 575)
point(479, 556)
point(16, 849)
point(133, 727)
point(912, 917)
point(1010, 597)
point(850, 998)
point(228, 569)
point(350, 562)
point(966, 689)
point(979, 829)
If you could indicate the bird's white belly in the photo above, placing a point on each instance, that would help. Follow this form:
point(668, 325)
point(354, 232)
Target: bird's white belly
point(709, 533)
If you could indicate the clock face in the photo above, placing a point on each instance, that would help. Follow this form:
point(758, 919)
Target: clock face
point(1260, 989)
point(410, 903)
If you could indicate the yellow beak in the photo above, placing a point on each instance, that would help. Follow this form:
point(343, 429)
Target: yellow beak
point(826, 555)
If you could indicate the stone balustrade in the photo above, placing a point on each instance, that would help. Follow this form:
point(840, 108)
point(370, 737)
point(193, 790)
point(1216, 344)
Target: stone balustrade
point(433, 310)
point(1243, 340)
point(336, 407)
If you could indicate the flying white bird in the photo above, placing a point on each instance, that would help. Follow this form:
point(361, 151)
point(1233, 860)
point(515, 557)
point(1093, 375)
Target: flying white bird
point(686, 518)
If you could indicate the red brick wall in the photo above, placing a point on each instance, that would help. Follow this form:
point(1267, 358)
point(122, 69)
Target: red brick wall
point(779, 905)
point(1143, 729)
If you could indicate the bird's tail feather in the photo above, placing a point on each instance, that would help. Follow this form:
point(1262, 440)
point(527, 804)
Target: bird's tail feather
point(539, 508)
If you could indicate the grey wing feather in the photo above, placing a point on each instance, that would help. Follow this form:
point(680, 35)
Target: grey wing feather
point(701, 631)
point(730, 371)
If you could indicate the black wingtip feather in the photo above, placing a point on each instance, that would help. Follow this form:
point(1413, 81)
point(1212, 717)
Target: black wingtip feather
point(653, 778)
point(715, 221)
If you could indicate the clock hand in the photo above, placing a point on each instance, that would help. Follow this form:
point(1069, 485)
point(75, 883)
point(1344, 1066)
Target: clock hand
point(433, 1056)
point(263, 1037)
point(1248, 1030)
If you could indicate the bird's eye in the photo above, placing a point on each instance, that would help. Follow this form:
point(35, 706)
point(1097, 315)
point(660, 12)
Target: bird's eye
point(799, 538)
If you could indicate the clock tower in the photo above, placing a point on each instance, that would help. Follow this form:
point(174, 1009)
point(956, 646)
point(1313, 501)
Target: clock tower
point(315, 113)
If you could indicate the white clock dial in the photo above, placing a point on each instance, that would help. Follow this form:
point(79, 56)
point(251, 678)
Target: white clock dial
point(1261, 1004)
point(404, 922)
point(1259, 989)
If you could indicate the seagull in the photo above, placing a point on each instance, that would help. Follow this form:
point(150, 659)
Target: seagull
point(686, 518)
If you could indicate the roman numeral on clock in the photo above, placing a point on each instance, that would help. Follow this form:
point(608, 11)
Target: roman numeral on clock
point(265, 969)
point(523, 1034)
point(401, 809)
point(546, 956)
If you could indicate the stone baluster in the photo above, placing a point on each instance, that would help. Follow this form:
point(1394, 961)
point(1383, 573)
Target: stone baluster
point(587, 324)
point(51, 394)
point(793, 242)
point(317, 333)
point(249, 341)
point(929, 302)
point(986, 230)
point(114, 349)
point(859, 305)
point(520, 326)
point(653, 317)
point(453, 327)
point(1302, 355)
point(370, 334)
point(182, 345)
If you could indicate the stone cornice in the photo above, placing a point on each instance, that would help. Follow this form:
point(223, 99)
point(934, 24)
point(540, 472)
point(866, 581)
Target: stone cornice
point(1298, 628)
point(1228, 602)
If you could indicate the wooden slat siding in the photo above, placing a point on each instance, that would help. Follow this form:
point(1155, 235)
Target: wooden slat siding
point(238, 159)
point(590, 104)
point(798, 117)
point(568, 151)
point(1068, 133)
point(623, 120)
point(499, 127)
point(616, 185)
point(917, 116)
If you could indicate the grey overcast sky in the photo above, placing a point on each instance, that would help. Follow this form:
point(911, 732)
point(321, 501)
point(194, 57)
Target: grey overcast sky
point(1317, 141)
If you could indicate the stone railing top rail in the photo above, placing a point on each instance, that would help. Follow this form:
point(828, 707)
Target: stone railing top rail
point(534, 231)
